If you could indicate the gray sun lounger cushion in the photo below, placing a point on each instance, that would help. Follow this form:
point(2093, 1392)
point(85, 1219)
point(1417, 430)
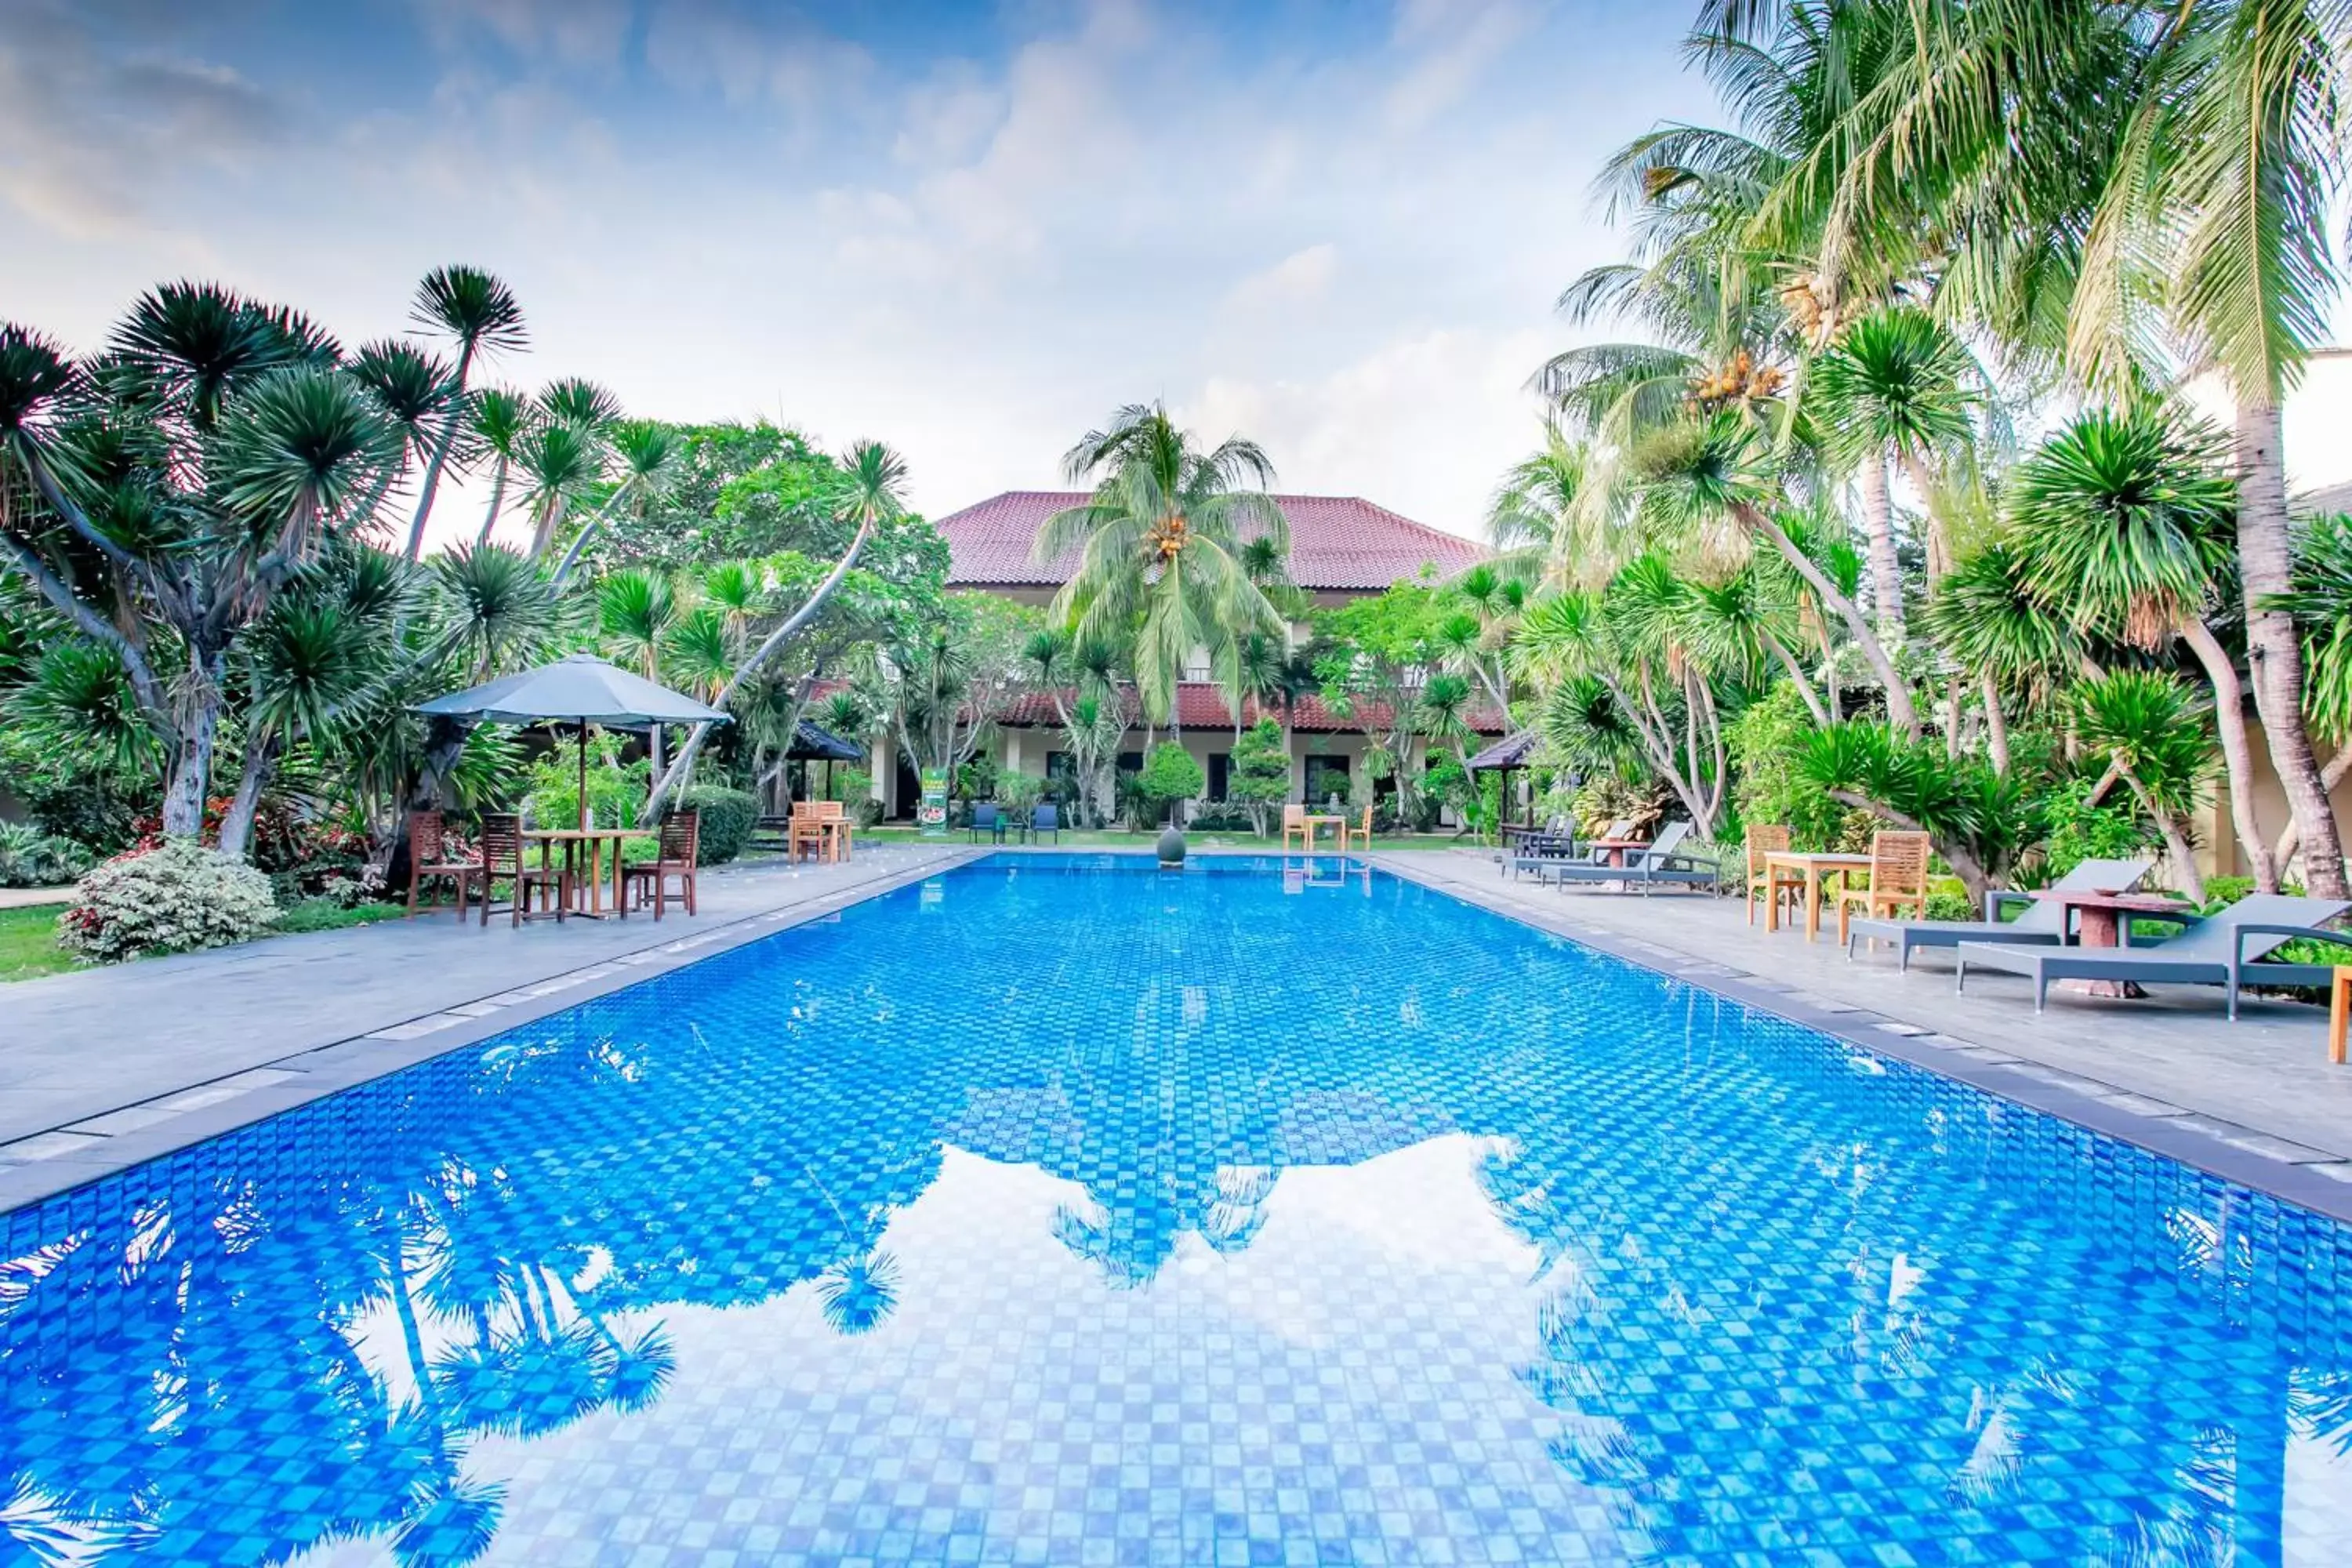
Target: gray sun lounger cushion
point(2222, 949)
point(2037, 925)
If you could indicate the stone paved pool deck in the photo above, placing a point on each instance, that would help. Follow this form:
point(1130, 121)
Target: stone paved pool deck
point(2256, 1101)
point(103, 1068)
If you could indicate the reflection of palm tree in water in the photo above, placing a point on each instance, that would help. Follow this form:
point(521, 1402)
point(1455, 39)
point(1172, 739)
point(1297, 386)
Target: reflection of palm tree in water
point(858, 1292)
point(1130, 1239)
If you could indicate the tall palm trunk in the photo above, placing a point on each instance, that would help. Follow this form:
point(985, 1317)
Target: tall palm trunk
point(1879, 528)
point(440, 455)
point(2237, 753)
point(2272, 648)
point(1996, 726)
point(498, 501)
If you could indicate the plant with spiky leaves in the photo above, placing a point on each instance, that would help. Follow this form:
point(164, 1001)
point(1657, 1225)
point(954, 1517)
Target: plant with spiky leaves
point(481, 315)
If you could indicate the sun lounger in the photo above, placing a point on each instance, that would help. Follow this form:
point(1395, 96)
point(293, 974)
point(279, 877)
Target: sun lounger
point(1546, 852)
point(2217, 949)
point(2038, 925)
point(1663, 863)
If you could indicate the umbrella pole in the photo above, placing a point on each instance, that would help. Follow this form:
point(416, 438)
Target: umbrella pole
point(583, 775)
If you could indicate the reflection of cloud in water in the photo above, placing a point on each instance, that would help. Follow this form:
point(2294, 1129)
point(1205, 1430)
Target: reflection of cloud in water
point(1377, 1303)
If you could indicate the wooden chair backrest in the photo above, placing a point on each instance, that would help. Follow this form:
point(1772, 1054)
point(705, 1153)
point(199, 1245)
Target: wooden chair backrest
point(1764, 838)
point(1294, 816)
point(425, 837)
point(827, 810)
point(1367, 829)
point(501, 842)
point(681, 836)
point(1898, 862)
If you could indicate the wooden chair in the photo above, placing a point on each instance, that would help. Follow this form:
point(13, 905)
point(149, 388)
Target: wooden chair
point(428, 860)
point(1899, 875)
point(807, 834)
point(838, 828)
point(502, 861)
point(1365, 831)
point(1294, 820)
point(1762, 838)
point(680, 842)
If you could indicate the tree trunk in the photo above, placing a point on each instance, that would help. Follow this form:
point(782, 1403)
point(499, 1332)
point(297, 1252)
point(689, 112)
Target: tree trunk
point(2237, 754)
point(498, 500)
point(669, 782)
point(440, 456)
point(1996, 726)
point(191, 768)
point(1899, 707)
point(1940, 536)
point(1952, 714)
point(236, 822)
point(1804, 683)
point(2274, 648)
point(2329, 777)
point(1878, 532)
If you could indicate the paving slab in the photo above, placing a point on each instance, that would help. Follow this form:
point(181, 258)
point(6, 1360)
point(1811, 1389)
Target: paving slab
point(79, 1047)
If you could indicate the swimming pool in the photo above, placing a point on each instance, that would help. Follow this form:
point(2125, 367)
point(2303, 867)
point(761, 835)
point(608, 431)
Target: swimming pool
point(1058, 1210)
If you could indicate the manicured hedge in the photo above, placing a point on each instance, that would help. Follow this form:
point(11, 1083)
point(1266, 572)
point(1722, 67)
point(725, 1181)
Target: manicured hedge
point(729, 815)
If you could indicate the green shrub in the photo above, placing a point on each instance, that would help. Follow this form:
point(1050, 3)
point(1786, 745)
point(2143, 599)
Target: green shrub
point(174, 898)
point(616, 793)
point(1767, 745)
point(32, 858)
point(2221, 893)
point(729, 815)
point(1170, 775)
point(851, 786)
point(1018, 794)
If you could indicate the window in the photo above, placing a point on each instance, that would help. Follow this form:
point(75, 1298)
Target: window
point(1130, 761)
point(1326, 775)
point(1220, 771)
point(1061, 769)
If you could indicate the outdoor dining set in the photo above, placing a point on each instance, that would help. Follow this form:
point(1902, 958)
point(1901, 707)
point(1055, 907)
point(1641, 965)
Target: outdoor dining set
point(2080, 932)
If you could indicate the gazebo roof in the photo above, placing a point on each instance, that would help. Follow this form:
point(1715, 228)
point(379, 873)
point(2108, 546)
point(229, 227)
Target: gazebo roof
point(1510, 752)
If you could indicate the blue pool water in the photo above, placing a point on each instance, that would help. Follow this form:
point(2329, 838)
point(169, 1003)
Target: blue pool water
point(1054, 1212)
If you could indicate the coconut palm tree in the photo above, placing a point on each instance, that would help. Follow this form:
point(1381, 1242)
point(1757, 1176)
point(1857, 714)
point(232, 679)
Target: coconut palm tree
point(1160, 545)
point(2123, 518)
point(1542, 521)
point(482, 316)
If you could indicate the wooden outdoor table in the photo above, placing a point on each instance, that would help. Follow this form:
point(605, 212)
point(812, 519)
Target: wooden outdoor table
point(1616, 847)
point(1808, 868)
point(588, 843)
point(1337, 824)
point(2102, 919)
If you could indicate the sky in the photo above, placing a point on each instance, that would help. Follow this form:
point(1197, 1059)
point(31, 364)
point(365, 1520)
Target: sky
point(971, 231)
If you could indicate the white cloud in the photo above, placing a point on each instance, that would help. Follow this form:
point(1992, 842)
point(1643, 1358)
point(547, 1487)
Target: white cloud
point(1298, 277)
point(1450, 45)
point(1422, 424)
point(566, 31)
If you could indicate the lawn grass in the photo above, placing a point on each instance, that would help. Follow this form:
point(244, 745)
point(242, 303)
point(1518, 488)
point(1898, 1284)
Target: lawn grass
point(28, 942)
point(28, 937)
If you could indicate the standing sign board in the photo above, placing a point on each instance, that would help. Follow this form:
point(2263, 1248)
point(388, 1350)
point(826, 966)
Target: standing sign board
point(931, 816)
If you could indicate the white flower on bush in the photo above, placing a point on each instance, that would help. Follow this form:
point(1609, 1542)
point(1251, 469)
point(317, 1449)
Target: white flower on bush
point(174, 898)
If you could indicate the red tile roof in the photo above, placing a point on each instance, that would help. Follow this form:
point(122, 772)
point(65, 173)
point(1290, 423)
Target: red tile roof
point(1202, 706)
point(1337, 542)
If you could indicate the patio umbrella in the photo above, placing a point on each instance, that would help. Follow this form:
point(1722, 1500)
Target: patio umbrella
point(582, 689)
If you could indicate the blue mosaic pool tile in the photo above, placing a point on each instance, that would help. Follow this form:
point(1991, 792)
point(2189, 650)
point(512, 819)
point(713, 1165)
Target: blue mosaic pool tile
point(1058, 1210)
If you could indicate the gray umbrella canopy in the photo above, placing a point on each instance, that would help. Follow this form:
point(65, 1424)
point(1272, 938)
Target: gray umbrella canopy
point(580, 690)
